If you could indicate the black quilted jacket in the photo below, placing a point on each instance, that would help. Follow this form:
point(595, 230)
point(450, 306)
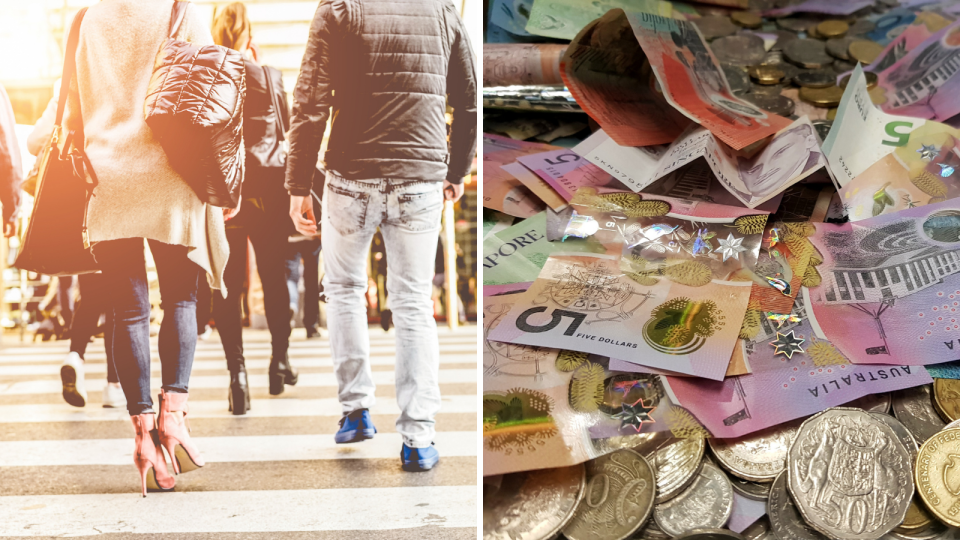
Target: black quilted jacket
point(387, 69)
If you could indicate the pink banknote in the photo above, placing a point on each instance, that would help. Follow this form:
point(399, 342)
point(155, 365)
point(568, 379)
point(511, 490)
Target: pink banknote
point(827, 7)
point(924, 83)
point(566, 172)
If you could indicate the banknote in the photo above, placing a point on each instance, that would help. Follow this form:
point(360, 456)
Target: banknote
point(948, 370)
point(784, 256)
point(494, 221)
point(923, 26)
point(862, 134)
point(630, 165)
point(745, 512)
point(522, 63)
point(512, 16)
point(563, 19)
point(826, 7)
point(604, 68)
point(924, 83)
point(566, 172)
point(890, 289)
point(501, 191)
point(537, 185)
point(692, 81)
point(889, 25)
point(921, 172)
point(781, 389)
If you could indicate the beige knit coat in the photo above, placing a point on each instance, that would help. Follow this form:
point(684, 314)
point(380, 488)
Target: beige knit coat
point(139, 194)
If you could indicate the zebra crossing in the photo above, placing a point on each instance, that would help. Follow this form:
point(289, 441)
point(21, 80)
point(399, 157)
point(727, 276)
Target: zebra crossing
point(274, 473)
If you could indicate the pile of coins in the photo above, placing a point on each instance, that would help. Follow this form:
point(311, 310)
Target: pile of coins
point(887, 466)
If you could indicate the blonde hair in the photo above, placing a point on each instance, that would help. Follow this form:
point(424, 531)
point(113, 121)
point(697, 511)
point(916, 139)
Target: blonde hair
point(231, 27)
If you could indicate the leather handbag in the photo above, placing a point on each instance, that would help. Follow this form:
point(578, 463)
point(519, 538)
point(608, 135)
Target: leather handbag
point(194, 107)
point(56, 242)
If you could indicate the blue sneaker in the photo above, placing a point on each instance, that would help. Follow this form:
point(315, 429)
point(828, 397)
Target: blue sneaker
point(419, 459)
point(355, 427)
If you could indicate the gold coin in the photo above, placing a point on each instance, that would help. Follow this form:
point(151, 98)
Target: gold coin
point(917, 518)
point(812, 32)
point(937, 476)
point(766, 74)
point(822, 97)
point(872, 80)
point(946, 396)
point(832, 29)
point(865, 51)
point(746, 19)
point(832, 114)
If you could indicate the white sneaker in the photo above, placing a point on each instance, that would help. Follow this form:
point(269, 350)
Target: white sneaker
point(113, 397)
point(205, 335)
point(71, 374)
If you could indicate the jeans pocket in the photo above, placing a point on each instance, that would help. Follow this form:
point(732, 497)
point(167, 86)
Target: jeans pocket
point(347, 208)
point(421, 211)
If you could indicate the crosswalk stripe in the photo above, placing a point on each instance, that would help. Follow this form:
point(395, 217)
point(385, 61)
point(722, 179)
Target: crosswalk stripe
point(217, 409)
point(223, 381)
point(227, 449)
point(240, 511)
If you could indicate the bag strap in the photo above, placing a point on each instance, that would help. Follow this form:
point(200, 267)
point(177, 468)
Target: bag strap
point(69, 65)
point(276, 105)
point(176, 17)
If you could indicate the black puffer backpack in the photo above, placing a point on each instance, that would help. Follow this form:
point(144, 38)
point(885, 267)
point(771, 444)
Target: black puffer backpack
point(195, 108)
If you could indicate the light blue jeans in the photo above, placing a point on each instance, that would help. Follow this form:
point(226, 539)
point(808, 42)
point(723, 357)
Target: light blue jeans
point(408, 215)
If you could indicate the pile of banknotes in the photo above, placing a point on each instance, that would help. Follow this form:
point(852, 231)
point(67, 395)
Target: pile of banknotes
point(721, 267)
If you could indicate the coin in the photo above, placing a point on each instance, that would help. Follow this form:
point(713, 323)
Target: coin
point(746, 19)
point(832, 114)
point(946, 396)
point(772, 57)
point(865, 51)
point(713, 27)
point(707, 503)
point(871, 402)
point(839, 47)
point(676, 463)
point(808, 53)
point(823, 129)
point(737, 78)
point(650, 531)
point(812, 32)
point(618, 498)
point(953, 425)
point(785, 519)
point(917, 520)
point(845, 454)
point(532, 505)
point(795, 24)
point(710, 534)
point(822, 97)
point(860, 27)
point(766, 89)
point(759, 530)
point(936, 475)
point(750, 490)
point(843, 66)
point(833, 29)
point(777, 104)
point(817, 78)
point(766, 75)
point(902, 433)
point(739, 50)
point(759, 456)
point(936, 531)
point(913, 407)
point(871, 80)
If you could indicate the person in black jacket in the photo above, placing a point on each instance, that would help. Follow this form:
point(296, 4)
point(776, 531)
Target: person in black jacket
point(11, 170)
point(388, 69)
point(262, 208)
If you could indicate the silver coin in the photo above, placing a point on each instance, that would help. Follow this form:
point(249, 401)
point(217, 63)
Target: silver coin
point(618, 498)
point(795, 24)
point(902, 433)
point(842, 66)
point(871, 402)
point(823, 129)
point(713, 27)
point(675, 462)
point(815, 78)
point(773, 57)
point(780, 105)
point(783, 37)
point(766, 89)
point(785, 519)
point(789, 71)
point(861, 27)
point(738, 79)
point(759, 530)
point(739, 50)
point(750, 490)
point(759, 456)
point(710, 534)
point(913, 407)
point(837, 47)
point(936, 531)
point(707, 503)
point(952, 425)
point(807, 53)
point(858, 464)
point(532, 505)
point(650, 531)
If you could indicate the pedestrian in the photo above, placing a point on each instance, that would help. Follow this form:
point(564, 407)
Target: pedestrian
point(388, 68)
point(261, 218)
point(140, 197)
point(11, 168)
point(305, 249)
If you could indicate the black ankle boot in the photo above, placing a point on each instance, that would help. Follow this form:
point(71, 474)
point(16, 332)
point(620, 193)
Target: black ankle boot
point(281, 373)
point(239, 394)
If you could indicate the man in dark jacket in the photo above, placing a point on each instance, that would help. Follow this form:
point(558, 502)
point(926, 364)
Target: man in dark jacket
point(11, 171)
point(388, 69)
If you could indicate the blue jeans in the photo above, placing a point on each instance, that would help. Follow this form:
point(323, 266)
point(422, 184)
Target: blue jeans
point(124, 267)
point(309, 251)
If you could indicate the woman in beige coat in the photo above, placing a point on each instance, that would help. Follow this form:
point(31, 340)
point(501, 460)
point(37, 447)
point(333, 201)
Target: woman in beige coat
point(139, 196)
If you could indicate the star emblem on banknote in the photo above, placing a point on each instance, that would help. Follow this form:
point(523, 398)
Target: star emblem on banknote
point(787, 344)
point(635, 415)
point(730, 247)
point(928, 151)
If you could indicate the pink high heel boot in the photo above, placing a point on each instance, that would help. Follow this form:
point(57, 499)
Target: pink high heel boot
point(175, 433)
point(148, 457)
